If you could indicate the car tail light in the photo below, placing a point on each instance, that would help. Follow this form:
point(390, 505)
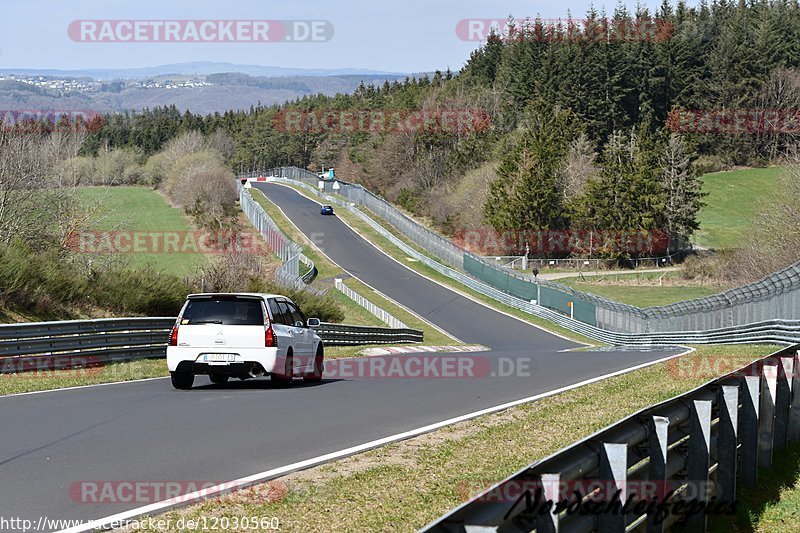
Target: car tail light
point(270, 340)
point(173, 336)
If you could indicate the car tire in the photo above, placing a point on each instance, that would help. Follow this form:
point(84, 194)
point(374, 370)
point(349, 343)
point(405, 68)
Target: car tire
point(182, 380)
point(319, 367)
point(285, 378)
point(218, 379)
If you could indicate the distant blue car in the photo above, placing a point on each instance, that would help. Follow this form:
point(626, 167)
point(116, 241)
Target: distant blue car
point(326, 210)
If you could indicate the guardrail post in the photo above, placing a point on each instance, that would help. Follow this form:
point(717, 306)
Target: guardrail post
point(751, 411)
point(614, 476)
point(783, 397)
point(699, 459)
point(766, 422)
point(659, 431)
point(794, 405)
point(726, 444)
point(551, 488)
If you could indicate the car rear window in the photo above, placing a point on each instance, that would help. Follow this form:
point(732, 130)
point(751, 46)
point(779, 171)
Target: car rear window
point(286, 314)
point(277, 312)
point(223, 311)
point(297, 315)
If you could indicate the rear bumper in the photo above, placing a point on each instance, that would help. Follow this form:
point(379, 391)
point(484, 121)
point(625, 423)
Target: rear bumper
point(190, 359)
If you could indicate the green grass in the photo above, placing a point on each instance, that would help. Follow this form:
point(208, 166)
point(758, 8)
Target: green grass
point(624, 288)
point(141, 209)
point(405, 485)
point(773, 504)
point(731, 204)
point(368, 233)
point(354, 313)
point(393, 251)
point(59, 379)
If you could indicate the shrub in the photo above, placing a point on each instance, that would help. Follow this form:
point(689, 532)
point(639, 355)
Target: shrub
point(706, 164)
point(243, 272)
point(144, 292)
point(50, 286)
point(323, 307)
point(38, 282)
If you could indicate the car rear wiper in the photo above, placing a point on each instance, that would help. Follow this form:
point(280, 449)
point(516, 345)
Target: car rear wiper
point(206, 322)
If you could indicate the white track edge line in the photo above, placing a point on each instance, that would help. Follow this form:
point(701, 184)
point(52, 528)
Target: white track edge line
point(166, 505)
point(315, 247)
point(79, 387)
point(453, 289)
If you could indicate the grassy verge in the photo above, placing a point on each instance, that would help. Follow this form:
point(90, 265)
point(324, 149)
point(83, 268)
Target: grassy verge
point(393, 251)
point(730, 206)
point(403, 486)
point(60, 379)
point(328, 270)
point(142, 209)
point(642, 289)
point(773, 504)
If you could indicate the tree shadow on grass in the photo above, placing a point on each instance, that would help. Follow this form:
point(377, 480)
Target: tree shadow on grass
point(752, 502)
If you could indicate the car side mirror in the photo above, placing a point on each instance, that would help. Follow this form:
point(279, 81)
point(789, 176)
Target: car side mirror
point(313, 322)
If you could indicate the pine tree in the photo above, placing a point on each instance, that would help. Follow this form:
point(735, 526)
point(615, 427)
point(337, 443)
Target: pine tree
point(525, 194)
point(682, 190)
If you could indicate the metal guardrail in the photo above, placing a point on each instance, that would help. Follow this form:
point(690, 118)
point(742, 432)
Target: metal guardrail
point(385, 316)
point(45, 346)
point(311, 275)
point(348, 335)
point(291, 253)
point(775, 297)
point(696, 448)
point(779, 331)
point(607, 330)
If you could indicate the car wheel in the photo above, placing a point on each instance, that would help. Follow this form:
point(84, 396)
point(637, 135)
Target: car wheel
point(182, 380)
point(319, 367)
point(286, 377)
point(219, 379)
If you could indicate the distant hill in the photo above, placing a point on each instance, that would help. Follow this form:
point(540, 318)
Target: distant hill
point(196, 68)
point(217, 92)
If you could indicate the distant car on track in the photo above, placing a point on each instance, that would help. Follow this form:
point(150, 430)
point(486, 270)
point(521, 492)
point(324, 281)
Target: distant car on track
point(243, 335)
point(326, 210)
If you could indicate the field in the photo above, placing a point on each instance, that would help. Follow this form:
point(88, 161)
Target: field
point(641, 290)
point(731, 204)
point(129, 209)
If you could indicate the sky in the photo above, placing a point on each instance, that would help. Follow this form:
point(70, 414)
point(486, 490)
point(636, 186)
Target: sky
point(410, 36)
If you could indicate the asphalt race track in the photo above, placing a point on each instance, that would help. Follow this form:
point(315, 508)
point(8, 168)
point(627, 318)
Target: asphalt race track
point(145, 431)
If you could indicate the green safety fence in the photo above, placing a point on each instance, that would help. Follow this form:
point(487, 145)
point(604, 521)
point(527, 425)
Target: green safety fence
point(546, 296)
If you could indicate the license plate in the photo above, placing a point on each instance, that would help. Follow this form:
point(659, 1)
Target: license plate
point(219, 357)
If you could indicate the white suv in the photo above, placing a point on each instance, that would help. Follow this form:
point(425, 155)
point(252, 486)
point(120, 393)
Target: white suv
point(243, 335)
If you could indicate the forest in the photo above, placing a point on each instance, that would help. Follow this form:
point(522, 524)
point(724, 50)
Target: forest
point(583, 129)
